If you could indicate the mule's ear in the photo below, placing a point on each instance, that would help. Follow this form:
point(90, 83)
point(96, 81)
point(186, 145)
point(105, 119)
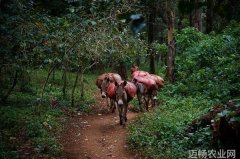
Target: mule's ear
point(124, 83)
point(116, 84)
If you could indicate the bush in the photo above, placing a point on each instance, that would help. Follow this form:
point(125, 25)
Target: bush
point(35, 129)
point(22, 122)
point(207, 71)
point(47, 145)
point(209, 66)
point(161, 134)
point(186, 38)
point(12, 118)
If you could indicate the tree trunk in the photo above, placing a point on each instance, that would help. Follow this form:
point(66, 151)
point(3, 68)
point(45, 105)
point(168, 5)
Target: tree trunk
point(138, 61)
point(179, 24)
point(64, 81)
point(209, 20)
point(45, 83)
point(53, 75)
point(122, 70)
point(195, 16)
point(151, 23)
point(12, 87)
point(170, 73)
point(74, 87)
point(171, 46)
point(82, 84)
point(152, 62)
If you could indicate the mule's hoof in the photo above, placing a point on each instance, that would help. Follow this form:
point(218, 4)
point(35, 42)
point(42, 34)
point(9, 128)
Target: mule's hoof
point(113, 110)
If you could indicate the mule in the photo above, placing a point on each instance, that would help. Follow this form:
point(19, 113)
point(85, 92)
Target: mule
point(136, 72)
point(108, 91)
point(102, 83)
point(151, 83)
point(146, 89)
point(145, 94)
point(108, 88)
point(159, 80)
point(125, 92)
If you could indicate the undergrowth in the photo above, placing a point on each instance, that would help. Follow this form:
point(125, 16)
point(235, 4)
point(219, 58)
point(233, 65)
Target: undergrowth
point(207, 73)
point(32, 124)
point(162, 133)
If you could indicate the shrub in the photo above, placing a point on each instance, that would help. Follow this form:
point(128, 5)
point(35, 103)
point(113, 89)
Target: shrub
point(161, 134)
point(207, 71)
point(209, 66)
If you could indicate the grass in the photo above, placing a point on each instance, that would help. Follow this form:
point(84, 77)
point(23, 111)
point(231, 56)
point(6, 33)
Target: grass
point(24, 119)
point(54, 86)
point(162, 133)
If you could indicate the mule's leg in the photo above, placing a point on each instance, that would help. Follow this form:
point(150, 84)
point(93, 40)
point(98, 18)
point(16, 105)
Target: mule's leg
point(154, 101)
point(154, 98)
point(107, 101)
point(139, 96)
point(120, 114)
point(125, 112)
point(147, 98)
point(112, 105)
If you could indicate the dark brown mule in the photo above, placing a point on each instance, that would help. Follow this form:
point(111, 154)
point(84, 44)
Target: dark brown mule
point(108, 88)
point(147, 86)
point(125, 92)
point(144, 94)
point(103, 82)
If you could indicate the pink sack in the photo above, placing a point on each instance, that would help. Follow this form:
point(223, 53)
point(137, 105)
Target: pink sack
point(111, 90)
point(150, 83)
point(140, 73)
point(159, 80)
point(131, 89)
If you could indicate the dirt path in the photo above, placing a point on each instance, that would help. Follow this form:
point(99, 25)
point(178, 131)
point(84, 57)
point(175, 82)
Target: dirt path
point(97, 136)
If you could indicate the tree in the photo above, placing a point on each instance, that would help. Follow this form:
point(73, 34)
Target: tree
point(171, 43)
point(151, 34)
point(195, 15)
point(209, 16)
point(15, 29)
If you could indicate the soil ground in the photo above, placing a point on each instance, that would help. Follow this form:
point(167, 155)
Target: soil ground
point(97, 136)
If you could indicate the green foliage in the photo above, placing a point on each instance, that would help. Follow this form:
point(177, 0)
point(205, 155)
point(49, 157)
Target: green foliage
point(35, 129)
point(47, 145)
point(85, 109)
point(12, 118)
point(23, 116)
point(207, 71)
point(134, 106)
point(38, 128)
point(187, 38)
point(209, 65)
point(8, 155)
point(161, 134)
point(160, 48)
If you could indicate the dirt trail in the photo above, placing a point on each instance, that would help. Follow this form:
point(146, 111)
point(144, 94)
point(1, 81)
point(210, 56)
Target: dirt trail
point(97, 136)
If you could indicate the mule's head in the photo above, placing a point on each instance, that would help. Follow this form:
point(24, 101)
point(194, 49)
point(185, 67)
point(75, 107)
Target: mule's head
point(121, 94)
point(104, 86)
point(134, 68)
